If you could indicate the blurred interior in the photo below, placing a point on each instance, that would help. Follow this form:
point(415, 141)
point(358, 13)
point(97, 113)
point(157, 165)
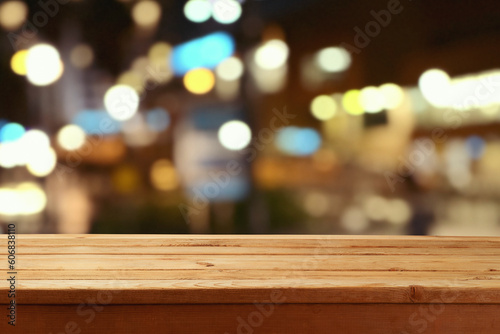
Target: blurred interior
point(256, 116)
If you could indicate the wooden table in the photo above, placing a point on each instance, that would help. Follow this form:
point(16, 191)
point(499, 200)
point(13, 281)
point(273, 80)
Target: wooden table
point(253, 284)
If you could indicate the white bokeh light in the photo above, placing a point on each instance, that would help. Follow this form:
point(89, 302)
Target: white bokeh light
point(198, 10)
point(393, 95)
point(43, 65)
point(333, 59)
point(435, 86)
point(71, 137)
point(230, 69)
point(272, 55)
point(235, 135)
point(372, 100)
point(121, 102)
point(42, 163)
point(226, 11)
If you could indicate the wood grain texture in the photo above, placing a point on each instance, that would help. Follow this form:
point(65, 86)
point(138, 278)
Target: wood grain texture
point(176, 269)
point(214, 284)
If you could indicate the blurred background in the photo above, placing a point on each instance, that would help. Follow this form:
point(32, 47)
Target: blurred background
point(256, 116)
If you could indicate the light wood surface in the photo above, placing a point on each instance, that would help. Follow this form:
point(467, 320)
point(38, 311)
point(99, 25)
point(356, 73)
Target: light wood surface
point(324, 281)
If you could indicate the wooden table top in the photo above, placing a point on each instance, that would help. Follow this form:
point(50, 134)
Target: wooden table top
point(223, 269)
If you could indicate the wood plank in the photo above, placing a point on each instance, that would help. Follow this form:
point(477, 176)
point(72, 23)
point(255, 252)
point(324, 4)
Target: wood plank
point(245, 319)
point(247, 291)
point(270, 262)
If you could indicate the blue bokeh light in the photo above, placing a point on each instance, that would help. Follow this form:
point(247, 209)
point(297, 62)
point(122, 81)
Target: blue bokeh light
point(11, 132)
point(207, 52)
point(96, 122)
point(475, 147)
point(298, 141)
point(158, 119)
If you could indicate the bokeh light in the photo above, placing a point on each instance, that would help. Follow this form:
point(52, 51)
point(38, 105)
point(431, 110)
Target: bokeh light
point(323, 107)
point(351, 102)
point(18, 62)
point(272, 54)
point(230, 69)
point(146, 13)
point(121, 102)
point(13, 14)
point(199, 81)
point(163, 175)
point(298, 141)
point(30, 144)
point(393, 95)
point(157, 119)
point(198, 10)
point(372, 100)
point(226, 11)
point(235, 135)
point(43, 65)
point(353, 220)
point(81, 56)
point(333, 59)
point(71, 137)
point(435, 87)
point(11, 132)
point(204, 52)
point(26, 198)
point(42, 162)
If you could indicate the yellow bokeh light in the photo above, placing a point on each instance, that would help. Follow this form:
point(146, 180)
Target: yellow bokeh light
point(132, 79)
point(125, 179)
point(13, 14)
point(146, 13)
point(323, 107)
point(199, 81)
point(164, 176)
point(351, 102)
point(159, 53)
point(18, 62)
point(71, 137)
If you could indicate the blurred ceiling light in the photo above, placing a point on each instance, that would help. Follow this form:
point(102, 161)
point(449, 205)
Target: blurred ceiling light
point(435, 87)
point(199, 81)
point(163, 175)
point(333, 59)
point(42, 162)
point(372, 100)
point(351, 102)
point(226, 11)
point(206, 52)
point(43, 65)
point(121, 102)
point(157, 119)
point(146, 13)
point(393, 95)
point(71, 137)
point(11, 132)
point(354, 220)
point(272, 54)
point(25, 199)
point(323, 107)
point(234, 135)
point(13, 14)
point(81, 56)
point(298, 141)
point(230, 69)
point(18, 62)
point(198, 10)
